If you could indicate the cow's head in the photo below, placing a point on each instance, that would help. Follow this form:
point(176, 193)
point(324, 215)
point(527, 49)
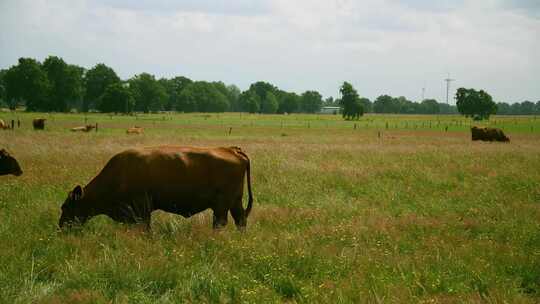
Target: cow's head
point(73, 209)
point(8, 164)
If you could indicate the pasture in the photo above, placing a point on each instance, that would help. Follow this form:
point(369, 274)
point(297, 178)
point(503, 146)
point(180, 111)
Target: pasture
point(387, 209)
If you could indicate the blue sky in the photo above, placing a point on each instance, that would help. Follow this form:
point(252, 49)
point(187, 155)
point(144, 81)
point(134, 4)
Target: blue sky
point(380, 46)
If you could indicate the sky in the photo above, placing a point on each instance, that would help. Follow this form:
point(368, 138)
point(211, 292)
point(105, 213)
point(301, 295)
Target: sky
point(388, 47)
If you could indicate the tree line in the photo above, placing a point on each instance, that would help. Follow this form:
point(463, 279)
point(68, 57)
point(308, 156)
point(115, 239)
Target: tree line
point(54, 85)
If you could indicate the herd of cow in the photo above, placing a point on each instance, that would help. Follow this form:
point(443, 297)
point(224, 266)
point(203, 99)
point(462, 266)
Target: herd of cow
point(39, 124)
point(180, 180)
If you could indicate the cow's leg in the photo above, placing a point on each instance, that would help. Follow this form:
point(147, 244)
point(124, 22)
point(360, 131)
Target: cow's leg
point(239, 215)
point(220, 218)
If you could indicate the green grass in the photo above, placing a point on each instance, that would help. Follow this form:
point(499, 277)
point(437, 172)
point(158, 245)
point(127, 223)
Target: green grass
point(341, 215)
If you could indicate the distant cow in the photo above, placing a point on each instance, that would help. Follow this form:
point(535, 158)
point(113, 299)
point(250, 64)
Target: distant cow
point(86, 128)
point(39, 123)
point(488, 134)
point(135, 130)
point(8, 164)
point(3, 125)
point(180, 180)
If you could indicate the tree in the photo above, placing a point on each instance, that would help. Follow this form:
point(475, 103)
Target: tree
point(503, 108)
point(96, 80)
point(202, 96)
point(429, 106)
point(366, 104)
point(65, 83)
point(261, 88)
point(350, 101)
point(527, 108)
point(385, 104)
point(148, 93)
point(234, 94)
point(116, 98)
point(249, 102)
point(477, 104)
point(27, 82)
point(174, 88)
point(2, 85)
point(289, 103)
point(269, 104)
point(311, 102)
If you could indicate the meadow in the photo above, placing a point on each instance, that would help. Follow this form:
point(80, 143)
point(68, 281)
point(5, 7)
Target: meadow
point(387, 209)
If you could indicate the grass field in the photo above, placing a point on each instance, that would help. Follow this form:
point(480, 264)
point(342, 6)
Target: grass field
point(397, 209)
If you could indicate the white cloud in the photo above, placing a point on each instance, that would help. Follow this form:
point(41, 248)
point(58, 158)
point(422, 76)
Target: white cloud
point(382, 47)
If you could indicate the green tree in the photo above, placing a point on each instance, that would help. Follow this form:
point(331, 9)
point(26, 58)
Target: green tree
point(429, 106)
point(261, 88)
point(269, 104)
point(174, 88)
point(148, 93)
point(27, 82)
point(249, 102)
point(527, 108)
point(202, 96)
point(96, 80)
point(366, 104)
point(65, 83)
point(116, 98)
point(477, 104)
point(350, 101)
point(234, 95)
point(311, 102)
point(2, 85)
point(289, 103)
point(385, 104)
point(503, 108)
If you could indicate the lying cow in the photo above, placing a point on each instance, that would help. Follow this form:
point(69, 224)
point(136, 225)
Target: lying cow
point(3, 125)
point(181, 180)
point(39, 123)
point(135, 130)
point(8, 164)
point(488, 134)
point(86, 128)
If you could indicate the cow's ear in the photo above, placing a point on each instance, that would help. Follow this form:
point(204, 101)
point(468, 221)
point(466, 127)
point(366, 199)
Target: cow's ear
point(77, 193)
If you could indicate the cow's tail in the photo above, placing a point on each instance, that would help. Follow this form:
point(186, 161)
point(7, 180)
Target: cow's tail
point(248, 169)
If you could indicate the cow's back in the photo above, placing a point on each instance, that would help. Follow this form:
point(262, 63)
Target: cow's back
point(181, 175)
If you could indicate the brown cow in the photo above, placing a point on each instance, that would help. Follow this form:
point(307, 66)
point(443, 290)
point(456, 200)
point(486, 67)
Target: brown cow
point(8, 164)
point(180, 180)
point(39, 123)
point(488, 134)
point(86, 128)
point(3, 125)
point(135, 130)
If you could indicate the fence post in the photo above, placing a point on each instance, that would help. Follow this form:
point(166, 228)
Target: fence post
point(230, 130)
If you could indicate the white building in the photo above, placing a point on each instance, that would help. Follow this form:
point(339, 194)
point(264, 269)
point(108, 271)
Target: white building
point(330, 110)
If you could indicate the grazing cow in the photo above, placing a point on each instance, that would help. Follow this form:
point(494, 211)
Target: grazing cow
point(8, 164)
point(488, 134)
point(135, 130)
point(180, 180)
point(39, 123)
point(86, 128)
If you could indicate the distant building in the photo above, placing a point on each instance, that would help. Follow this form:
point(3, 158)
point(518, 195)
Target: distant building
point(330, 110)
